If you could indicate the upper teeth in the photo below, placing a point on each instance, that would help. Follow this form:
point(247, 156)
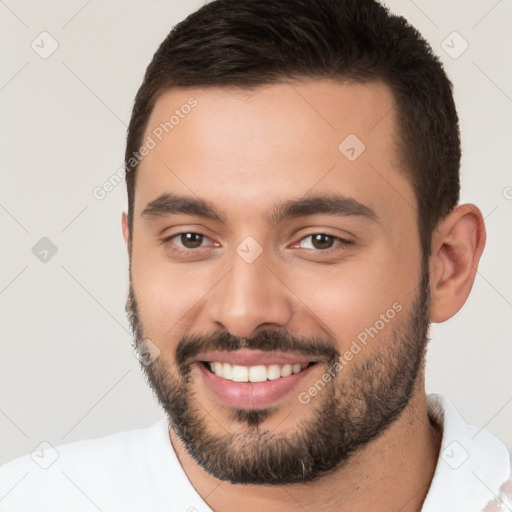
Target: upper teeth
point(258, 373)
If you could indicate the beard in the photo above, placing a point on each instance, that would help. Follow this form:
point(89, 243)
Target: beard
point(359, 404)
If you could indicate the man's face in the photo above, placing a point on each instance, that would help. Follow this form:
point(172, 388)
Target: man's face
point(276, 266)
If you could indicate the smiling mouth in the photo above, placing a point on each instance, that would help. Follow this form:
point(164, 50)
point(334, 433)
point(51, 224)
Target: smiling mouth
point(258, 373)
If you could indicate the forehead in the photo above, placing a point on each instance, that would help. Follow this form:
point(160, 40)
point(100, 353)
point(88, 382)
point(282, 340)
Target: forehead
point(237, 148)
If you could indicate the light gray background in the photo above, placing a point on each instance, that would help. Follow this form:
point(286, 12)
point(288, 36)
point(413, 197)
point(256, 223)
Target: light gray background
point(67, 369)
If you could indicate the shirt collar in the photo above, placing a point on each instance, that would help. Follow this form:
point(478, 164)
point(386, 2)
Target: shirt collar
point(472, 466)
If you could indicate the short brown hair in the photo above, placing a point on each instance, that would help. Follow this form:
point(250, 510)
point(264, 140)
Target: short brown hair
point(249, 43)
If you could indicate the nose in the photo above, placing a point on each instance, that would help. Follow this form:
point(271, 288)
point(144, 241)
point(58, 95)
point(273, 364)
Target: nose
point(250, 296)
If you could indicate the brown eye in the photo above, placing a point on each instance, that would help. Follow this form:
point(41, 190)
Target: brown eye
point(322, 241)
point(191, 240)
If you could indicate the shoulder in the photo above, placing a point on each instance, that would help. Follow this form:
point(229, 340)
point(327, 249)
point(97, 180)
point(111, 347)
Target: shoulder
point(474, 466)
point(107, 449)
point(72, 474)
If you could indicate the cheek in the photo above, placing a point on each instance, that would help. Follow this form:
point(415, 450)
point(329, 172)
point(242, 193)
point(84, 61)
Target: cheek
point(343, 303)
point(167, 297)
point(362, 295)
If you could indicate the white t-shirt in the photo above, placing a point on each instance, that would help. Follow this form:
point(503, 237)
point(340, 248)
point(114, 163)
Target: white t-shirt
point(138, 471)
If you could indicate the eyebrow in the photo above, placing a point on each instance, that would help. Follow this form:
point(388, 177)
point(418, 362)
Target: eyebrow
point(168, 204)
point(330, 204)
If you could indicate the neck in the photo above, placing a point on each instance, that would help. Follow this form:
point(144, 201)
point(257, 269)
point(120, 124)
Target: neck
point(393, 472)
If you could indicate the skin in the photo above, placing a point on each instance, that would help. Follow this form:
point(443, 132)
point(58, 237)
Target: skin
point(244, 152)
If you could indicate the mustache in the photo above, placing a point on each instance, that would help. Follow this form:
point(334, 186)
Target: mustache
point(190, 346)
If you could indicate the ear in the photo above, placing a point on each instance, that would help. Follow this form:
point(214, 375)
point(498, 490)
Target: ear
point(126, 229)
point(457, 244)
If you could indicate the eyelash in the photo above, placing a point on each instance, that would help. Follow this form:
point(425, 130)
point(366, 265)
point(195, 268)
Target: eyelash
point(340, 246)
point(178, 249)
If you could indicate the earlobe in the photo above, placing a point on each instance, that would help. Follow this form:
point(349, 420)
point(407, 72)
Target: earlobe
point(125, 228)
point(457, 245)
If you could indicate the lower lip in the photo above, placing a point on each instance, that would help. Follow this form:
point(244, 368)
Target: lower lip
point(251, 395)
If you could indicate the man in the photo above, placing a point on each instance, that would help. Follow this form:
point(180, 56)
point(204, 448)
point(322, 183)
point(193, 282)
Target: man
point(293, 228)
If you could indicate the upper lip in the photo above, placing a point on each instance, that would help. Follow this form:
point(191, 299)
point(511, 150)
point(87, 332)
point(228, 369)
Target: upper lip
point(246, 357)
